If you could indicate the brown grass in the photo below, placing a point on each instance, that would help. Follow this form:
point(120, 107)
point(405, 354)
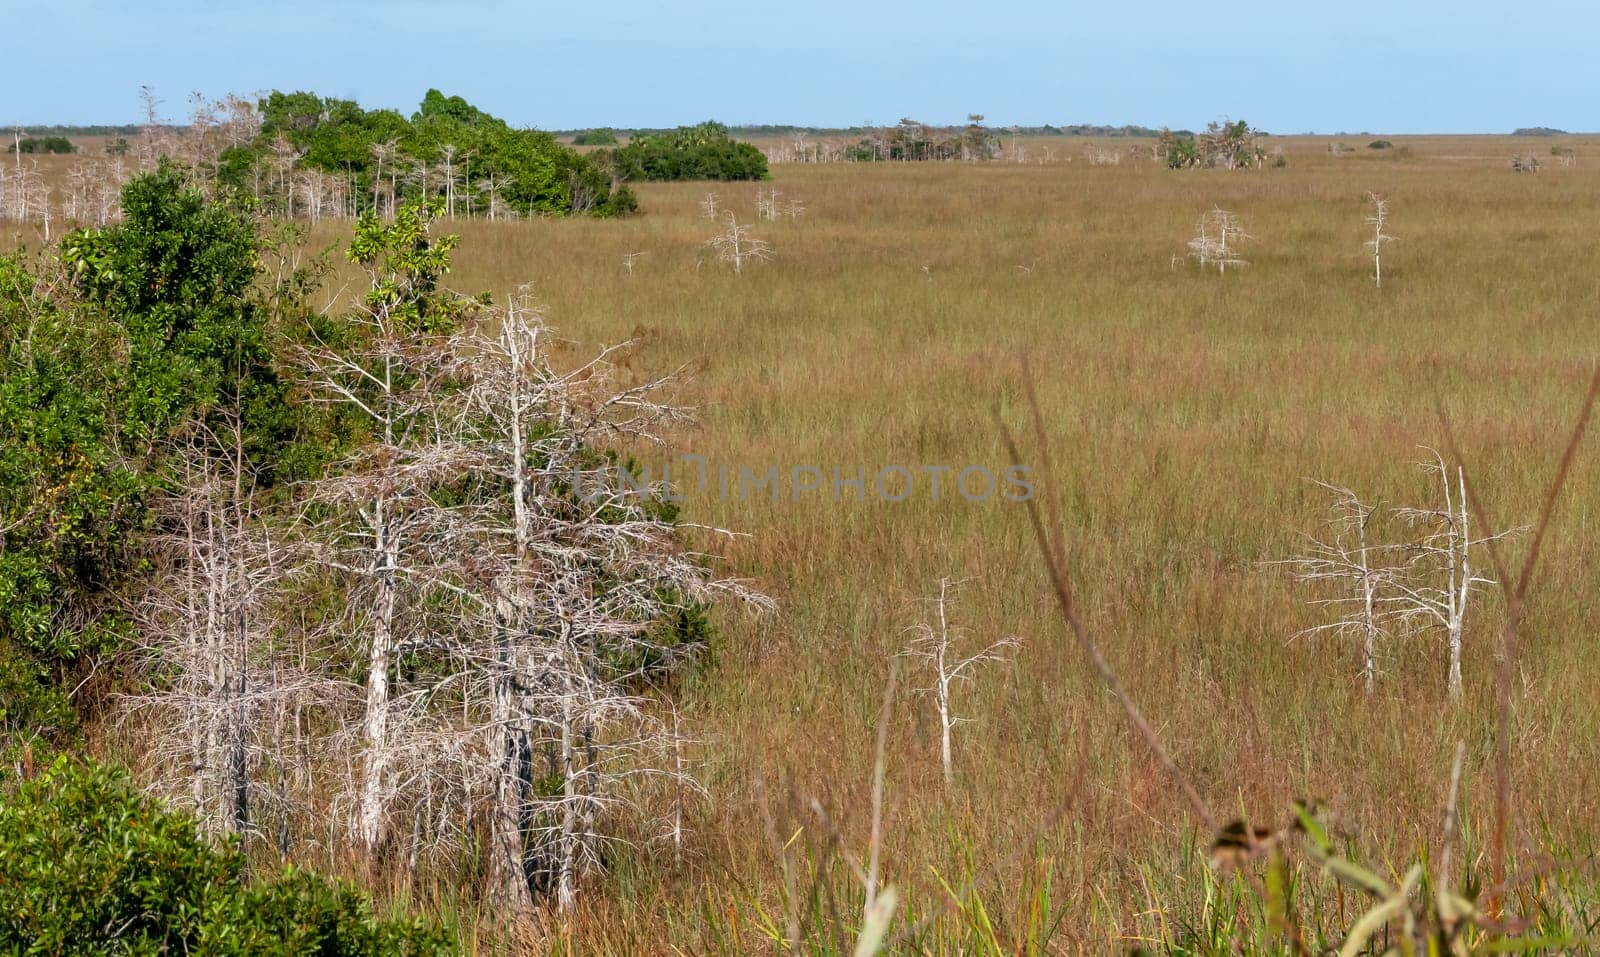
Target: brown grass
point(1185, 411)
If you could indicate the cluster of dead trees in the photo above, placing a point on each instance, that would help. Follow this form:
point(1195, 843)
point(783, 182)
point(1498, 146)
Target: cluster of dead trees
point(92, 187)
point(801, 147)
point(1219, 235)
point(437, 652)
point(24, 195)
point(911, 141)
point(1420, 580)
point(1216, 241)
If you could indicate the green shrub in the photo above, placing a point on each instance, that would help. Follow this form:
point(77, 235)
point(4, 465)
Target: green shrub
point(1181, 152)
point(90, 866)
point(600, 137)
point(691, 152)
point(1380, 145)
point(163, 326)
point(41, 144)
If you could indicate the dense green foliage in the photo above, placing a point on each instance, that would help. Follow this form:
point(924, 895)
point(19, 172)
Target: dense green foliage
point(600, 137)
point(177, 276)
point(41, 144)
point(447, 148)
point(1178, 150)
point(407, 265)
point(691, 152)
point(159, 332)
point(68, 501)
point(90, 866)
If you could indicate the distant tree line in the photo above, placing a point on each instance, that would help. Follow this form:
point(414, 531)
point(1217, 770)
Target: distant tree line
point(126, 129)
point(1086, 129)
point(768, 130)
point(598, 137)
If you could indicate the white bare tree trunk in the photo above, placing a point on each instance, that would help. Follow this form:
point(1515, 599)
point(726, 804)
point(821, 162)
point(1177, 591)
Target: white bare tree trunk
point(375, 723)
point(1460, 586)
point(1369, 620)
point(1443, 554)
point(938, 646)
point(566, 890)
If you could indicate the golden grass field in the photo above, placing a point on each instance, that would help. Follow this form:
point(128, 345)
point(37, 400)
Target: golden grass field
point(1186, 411)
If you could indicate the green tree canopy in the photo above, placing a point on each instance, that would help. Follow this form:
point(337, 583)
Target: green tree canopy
point(705, 151)
point(448, 147)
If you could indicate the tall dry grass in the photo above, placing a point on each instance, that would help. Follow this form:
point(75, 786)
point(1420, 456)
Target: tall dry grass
point(1186, 411)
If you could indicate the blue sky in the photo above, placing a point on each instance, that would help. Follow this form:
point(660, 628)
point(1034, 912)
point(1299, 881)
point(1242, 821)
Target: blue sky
point(1286, 66)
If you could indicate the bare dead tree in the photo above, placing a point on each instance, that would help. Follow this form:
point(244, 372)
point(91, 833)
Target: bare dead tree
point(736, 246)
point(207, 645)
point(493, 192)
point(555, 652)
point(536, 587)
point(1352, 566)
point(1437, 588)
point(1100, 156)
point(108, 200)
point(1378, 220)
point(628, 260)
point(202, 142)
point(456, 169)
point(282, 157)
point(153, 141)
point(19, 201)
point(383, 154)
point(30, 196)
point(939, 645)
point(419, 174)
point(1216, 241)
point(389, 376)
point(767, 203)
point(708, 206)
